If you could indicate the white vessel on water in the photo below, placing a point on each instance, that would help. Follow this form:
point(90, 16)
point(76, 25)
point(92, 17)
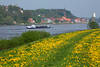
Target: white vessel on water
point(37, 26)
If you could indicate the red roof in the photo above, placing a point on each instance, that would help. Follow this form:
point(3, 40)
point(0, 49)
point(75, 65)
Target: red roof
point(67, 19)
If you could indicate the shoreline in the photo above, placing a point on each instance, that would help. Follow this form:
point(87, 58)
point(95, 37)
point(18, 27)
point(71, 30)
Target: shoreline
point(43, 24)
point(50, 33)
point(67, 32)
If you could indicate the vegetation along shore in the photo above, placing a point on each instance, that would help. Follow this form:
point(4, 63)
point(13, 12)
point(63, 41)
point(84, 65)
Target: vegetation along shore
point(26, 37)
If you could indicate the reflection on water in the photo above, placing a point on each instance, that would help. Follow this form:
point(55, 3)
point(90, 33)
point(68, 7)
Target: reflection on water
point(7, 32)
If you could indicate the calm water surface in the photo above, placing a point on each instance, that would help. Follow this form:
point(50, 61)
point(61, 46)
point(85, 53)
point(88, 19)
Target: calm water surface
point(7, 32)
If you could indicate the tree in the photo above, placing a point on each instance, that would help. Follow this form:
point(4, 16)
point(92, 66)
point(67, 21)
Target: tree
point(56, 21)
point(93, 25)
point(7, 20)
point(37, 19)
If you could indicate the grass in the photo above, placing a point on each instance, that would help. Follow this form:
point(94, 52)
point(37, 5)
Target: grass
point(76, 49)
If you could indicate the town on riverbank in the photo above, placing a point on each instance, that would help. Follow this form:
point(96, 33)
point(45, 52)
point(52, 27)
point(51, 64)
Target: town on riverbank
point(14, 15)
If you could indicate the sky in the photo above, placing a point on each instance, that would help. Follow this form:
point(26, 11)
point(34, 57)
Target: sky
point(80, 8)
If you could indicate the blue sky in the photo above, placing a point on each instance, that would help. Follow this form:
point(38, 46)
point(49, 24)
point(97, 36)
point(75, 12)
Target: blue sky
point(80, 8)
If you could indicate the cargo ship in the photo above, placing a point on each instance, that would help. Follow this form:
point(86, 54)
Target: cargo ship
point(37, 26)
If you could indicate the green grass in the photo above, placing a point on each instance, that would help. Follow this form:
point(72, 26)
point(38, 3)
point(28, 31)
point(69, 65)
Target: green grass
point(65, 51)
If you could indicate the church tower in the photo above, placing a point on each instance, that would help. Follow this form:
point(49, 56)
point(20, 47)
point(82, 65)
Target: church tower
point(93, 17)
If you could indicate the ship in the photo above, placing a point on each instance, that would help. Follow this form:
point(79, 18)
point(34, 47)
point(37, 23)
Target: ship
point(37, 26)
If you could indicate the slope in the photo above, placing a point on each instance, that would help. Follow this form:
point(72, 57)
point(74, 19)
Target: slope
point(76, 49)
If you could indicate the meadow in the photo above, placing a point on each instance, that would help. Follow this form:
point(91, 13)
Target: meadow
point(75, 49)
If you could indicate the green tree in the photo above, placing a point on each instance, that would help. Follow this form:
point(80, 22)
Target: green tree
point(56, 21)
point(8, 20)
point(37, 19)
point(93, 25)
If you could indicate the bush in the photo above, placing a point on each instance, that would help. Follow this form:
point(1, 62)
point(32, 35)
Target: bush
point(4, 44)
point(33, 36)
point(26, 37)
point(93, 25)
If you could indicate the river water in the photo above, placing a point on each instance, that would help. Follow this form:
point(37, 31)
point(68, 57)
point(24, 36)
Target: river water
point(7, 32)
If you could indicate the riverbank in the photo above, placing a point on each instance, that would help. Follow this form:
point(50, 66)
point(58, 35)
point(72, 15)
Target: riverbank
point(76, 49)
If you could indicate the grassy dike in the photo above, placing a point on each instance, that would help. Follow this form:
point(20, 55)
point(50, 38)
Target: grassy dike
point(76, 49)
point(61, 57)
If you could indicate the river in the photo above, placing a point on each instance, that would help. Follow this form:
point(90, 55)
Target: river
point(7, 32)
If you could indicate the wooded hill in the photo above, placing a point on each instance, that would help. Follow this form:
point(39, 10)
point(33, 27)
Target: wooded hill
point(10, 13)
